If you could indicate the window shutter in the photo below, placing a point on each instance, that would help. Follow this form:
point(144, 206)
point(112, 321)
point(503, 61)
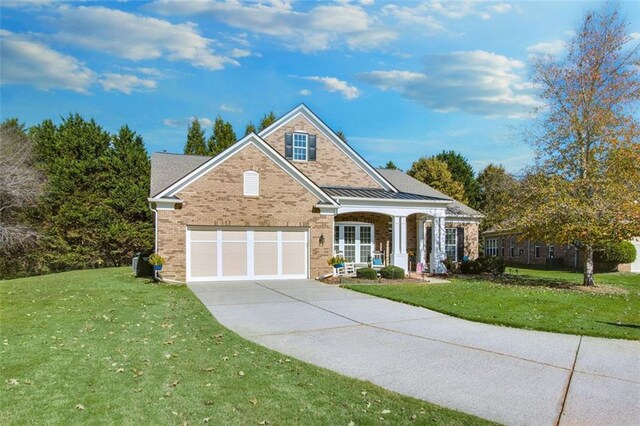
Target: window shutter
point(460, 244)
point(429, 242)
point(312, 148)
point(288, 146)
point(251, 183)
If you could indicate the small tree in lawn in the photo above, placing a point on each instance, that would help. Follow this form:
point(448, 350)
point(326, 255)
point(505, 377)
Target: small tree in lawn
point(196, 143)
point(585, 188)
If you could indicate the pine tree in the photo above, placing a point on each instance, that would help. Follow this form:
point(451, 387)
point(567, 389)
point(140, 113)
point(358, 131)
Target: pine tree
point(267, 120)
point(250, 128)
point(222, 137)
point(390, 166)
point(74, 212)
point(196, 143)
point(131, 230)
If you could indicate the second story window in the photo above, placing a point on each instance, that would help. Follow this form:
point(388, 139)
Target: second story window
point(300, 141)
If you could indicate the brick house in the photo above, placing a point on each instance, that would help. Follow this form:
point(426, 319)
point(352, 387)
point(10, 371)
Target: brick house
point(516, 250)
point(279, 203)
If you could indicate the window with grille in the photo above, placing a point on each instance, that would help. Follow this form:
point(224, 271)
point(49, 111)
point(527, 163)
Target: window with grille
point(300, 146)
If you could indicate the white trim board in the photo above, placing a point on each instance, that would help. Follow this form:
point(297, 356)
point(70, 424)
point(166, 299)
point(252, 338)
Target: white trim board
point(303, 110)
point(249, 140)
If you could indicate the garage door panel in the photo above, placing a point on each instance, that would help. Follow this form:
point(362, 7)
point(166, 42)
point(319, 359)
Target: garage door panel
point(294, 258)
point(265, 258)
point(204, 259)
point(234, 259)
point(219, 254)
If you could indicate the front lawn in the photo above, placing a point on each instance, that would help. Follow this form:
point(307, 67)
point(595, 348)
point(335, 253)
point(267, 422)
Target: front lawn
point(533, 299)
point(100, 347)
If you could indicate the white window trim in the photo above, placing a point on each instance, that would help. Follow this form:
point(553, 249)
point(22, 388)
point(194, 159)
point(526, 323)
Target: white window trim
point(306, 146)
point(357, 244)
point(247, 190)
point(491, 247)
point(455, 244)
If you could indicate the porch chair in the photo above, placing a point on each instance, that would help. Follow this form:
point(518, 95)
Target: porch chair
point(348, 269)
point(377, 260)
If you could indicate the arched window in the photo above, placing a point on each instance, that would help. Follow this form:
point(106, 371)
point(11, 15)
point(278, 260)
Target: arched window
point(251, 183)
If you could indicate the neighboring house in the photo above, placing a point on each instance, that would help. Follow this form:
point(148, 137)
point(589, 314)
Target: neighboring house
point(280, 203)
point(510, 245)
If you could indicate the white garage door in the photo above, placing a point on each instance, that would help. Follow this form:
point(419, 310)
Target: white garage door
point(241, 254)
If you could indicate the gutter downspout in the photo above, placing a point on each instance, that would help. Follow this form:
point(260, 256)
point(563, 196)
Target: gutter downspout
point(155, 235)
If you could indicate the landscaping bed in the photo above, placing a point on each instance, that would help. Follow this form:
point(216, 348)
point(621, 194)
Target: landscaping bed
point(101, 347)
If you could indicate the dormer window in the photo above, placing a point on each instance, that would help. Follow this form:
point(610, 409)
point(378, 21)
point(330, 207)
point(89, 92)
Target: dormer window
point(251, 184)
point(300, 145)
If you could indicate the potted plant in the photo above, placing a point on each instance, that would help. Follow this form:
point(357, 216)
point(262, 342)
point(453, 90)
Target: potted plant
point(156, 261)
point(336, 261)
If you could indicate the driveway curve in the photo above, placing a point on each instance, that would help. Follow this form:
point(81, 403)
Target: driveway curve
point(508, 375)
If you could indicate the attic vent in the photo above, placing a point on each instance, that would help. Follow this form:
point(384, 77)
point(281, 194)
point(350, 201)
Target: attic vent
point(251, 183)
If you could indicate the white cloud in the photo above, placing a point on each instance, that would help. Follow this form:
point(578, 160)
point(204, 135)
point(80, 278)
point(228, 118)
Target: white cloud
point(239, 53)
point(230, 108)
point(25, 61)
point(184, 122)
point(429, 15)
point(500, 7)
point(475, 82)
point(136, 37)
point(26, 4)
point(332, 84)
point(125, 83)
point(304, 92)
point(322, 27)
point(554, 47)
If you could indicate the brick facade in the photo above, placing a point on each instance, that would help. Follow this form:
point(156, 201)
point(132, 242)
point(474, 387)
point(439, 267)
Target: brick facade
point(216, 199)
point(332, 167)
point(524, 252)
point(516, 250)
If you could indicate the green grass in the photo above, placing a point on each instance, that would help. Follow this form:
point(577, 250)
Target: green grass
point(534, 299)
point(100, 347)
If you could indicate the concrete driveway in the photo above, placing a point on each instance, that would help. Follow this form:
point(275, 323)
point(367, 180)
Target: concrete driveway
point(503, 374)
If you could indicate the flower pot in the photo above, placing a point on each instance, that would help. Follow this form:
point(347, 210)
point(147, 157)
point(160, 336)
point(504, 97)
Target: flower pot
point(157, 267)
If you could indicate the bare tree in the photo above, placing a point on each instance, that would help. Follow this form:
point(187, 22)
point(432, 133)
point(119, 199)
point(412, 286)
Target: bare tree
point(20, 185)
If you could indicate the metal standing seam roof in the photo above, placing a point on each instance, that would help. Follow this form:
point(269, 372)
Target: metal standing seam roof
point(405, 183)
point(382, 194)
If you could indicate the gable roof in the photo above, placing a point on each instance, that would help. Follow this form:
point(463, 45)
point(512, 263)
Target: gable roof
point(167, 169)
point(303, 110)
point(249, 140)
point(405, 183)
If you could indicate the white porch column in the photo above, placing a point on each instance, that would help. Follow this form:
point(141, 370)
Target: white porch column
point(420, 251)
point(399, 234)
point(438, 252)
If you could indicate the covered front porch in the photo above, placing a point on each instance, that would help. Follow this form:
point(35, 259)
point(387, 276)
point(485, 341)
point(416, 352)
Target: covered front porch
point(416, 241)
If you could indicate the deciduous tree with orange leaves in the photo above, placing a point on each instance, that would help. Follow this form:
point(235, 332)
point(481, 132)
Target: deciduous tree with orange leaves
point(585, 186)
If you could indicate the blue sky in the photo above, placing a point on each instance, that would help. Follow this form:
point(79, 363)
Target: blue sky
point(401, 79)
